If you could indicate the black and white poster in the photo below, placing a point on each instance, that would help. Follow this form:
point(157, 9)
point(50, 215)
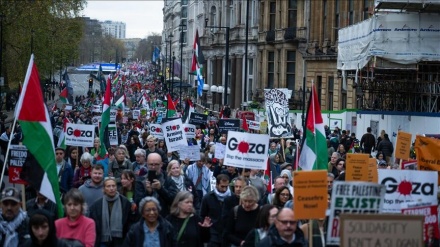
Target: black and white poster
point(277, 110)
point(198, 118)
point(225, 125)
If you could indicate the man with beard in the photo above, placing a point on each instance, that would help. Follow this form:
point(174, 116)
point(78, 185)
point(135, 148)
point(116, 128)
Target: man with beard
point(14, 230)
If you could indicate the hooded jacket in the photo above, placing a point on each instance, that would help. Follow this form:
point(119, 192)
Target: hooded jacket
point(51, 239)
point(91, 192)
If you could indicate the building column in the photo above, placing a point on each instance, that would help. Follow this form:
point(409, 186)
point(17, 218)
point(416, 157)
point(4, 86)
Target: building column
point(238, 77)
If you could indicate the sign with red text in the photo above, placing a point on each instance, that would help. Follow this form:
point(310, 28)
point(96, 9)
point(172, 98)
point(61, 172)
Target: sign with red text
point(81, 135)
point(430, 218)
point(253, 125)
point(156, 130)
point(190, 130)
point(246, 150)
point(174, 134)
point(17, 157)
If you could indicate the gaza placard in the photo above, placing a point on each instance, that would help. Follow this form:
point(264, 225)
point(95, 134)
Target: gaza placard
point(80, 134)
point(246, 150)
point(407, 186)
point(190, 130)
point(156, 130)
point(174, 134)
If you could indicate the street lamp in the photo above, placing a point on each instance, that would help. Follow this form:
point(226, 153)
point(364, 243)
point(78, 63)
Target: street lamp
point(225, 93)
point(181, 59)
point(172, 76)
point(1, 59)
point(170, 39)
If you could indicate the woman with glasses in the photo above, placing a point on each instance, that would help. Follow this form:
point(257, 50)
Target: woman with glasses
point(84, 171)
point(242, 218)
point(152, 229)
point(265, 219)
point(191, 230)
point(282, 195)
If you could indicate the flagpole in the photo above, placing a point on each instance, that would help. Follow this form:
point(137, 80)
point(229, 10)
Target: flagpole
point(312, 96)
point(7, 150)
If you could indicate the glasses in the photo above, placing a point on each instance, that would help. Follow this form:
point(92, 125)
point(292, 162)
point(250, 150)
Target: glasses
point(285, 194)
point(288, 222)
point(154, 164)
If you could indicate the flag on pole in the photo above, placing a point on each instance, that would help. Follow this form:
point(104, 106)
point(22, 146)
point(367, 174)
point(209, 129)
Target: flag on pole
point(197, 64)
point(34, 120)
point(314, 144)
point(62, 139)
point(268, 176)
point(68, 86)
point(120, 102)
point(156, 54)
point(105, 119)
point(63, 96)
point(189, 107)
point(171, 107)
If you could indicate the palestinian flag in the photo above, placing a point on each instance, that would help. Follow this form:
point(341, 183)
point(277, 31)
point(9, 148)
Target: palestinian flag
point(268, 176)
point(314, 145)
point(171, 107)
point(32, 114)
point(197, 64)
point(62, 139)
point(63, 96)
point(244, 125)
point(105, 119)
point(120, 102)
point(189, 108)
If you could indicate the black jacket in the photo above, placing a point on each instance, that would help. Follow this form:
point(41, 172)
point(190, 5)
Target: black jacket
point(51, 239)
point(136, 235)
point(386, 147)
point(22, 231)
point(96, 214)
point(212, 208)
point(273, 239)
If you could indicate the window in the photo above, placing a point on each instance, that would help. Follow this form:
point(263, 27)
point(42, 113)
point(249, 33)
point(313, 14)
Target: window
point(272, 14)
point(337, 17)
point(366, 15)
point(331, 82)
point(251, 66)
point(291, 22)
point(212, 16)
point(290, 70)
point(184, 2)
point(319, 89)
point(270, 69)
point(324, 19)
point(184, 11)
point(343, 97)
point(350, 12)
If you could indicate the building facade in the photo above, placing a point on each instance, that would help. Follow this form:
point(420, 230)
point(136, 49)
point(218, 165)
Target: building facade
point(114, 29)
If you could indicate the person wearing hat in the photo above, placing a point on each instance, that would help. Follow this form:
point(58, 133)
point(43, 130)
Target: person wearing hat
point(14, 230)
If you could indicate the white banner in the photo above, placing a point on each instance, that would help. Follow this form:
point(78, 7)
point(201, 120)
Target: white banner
point(219, 151)
point(96, 120)
point(156, 130)
point(190, 130)
point(113, 134)
point(96, 108)
point(174, 134)
point(190, 152)
point(113, 113)
point(136, 114)
point(277, 110)
point(253, 125)
point(407, 186)
point(81, 135)
point(246, 150)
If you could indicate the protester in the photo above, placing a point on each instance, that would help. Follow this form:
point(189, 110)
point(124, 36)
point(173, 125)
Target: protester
point(42, 230)
point(82, 174)
point(199, 174)
point(41, 202)
point(92, 189)
point(183, 183)
point(265, 218)
point(282, 195)
point(119, 164)
point(64, 170)
point(14, 230)
point(140, 164)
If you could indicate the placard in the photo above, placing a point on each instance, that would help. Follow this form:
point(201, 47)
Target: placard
point(430, 218)
point(381, 230)
point(17, 157)
point(372, 170)
point(406, 186)
point(96, 120)
point(190, 130)
point(356, 167)
point(403, 145)
point(246, 150)
point(198, 118)
point(113, 114)
point(253, 125)
point(96, 108)
point(428, 155)
point(81, 135)
point(156, 131)
point(136, 114)
point(189, 152)
point(225, 125)
point(352, 197)
point(310, 194)
point(409, 165)
point(68, 107)
point(277, 110)
point(219, 151)
point(113, 134)
point(174, 134)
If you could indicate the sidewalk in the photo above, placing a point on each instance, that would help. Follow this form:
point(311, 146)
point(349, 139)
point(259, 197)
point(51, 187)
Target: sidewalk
point(10, 119)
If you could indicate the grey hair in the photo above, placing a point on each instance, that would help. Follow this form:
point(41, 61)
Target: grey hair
point(141, 152)
point(330, 175)
point(250, 192)
point(337, 155)
point(147, 199)
point(86, 157)
point(181, 196)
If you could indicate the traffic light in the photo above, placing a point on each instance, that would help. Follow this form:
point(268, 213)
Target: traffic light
point(90, 82)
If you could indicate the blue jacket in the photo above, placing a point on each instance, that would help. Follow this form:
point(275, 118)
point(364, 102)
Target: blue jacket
point(65, 177)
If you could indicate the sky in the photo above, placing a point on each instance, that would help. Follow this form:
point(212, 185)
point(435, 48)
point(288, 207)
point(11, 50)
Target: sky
point(141, 17)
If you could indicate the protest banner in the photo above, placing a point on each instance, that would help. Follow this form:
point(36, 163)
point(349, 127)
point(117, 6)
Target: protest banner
point(81, 135)
point(430, 219)
point(277, 110)
point(124, 120)
point(372, 170)
point(156, 131)
point(246, 150)
point(67, 107)
point(113, 134)
point(190, 130)
point(198, 118)
point(96, 109)
point(136, 114)
point(96, 120)
point(189, 152)
point(381, 230)
point(352, 197)
point(174, 134)
point(428, 155)
point(310, 194)
point(113, 114)
point(403, 145)
point(406, 186)
point(253, 125)
point(225, 125)
point(263, 127)
point(17, 157)
point(409, 165)
point(219, 151)
point(357, 167)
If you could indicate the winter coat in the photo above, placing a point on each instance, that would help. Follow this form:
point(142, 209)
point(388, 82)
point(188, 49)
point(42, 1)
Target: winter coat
point(136, 235)
point(273, 239)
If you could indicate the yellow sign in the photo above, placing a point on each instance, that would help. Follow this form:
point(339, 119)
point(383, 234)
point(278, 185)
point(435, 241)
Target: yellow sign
point(356, 167)
point(372, 170)
point(428, 155)
point(403, 145)
point(310, 194)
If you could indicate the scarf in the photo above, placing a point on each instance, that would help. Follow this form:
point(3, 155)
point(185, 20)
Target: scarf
point(221, 196)
point(9, 228)
point(179, 182)
point(111, 224)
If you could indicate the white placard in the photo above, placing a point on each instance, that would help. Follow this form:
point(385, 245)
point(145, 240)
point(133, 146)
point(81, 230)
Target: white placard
point(68, 107)
point(80, 135)
point(113, 134)
point(174, 134)
point(253, 125)
point(136, 114)
point(190, 152)
point(96, 120)
point(408, 186)
point(246, 150)
point(156, 130)
point(190, 130)
point(113, 113)
point(219, 151)
point(96, 108)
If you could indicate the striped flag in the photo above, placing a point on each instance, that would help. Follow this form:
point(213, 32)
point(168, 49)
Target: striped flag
point(197, 64)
